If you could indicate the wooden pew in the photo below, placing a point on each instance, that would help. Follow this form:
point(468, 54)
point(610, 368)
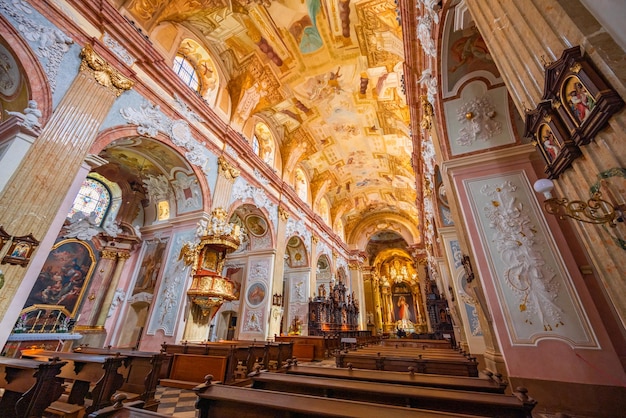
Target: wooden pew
point(123, 409)
point(452, 367)
point(312, 347)
point(85, 370)
point(493, 384)
point(446, 400)
point(414, 352)
point(218, 401)
point(141, 372)
point(189, 370)
point(245, 353)
point(30, 386)
point(427, 343)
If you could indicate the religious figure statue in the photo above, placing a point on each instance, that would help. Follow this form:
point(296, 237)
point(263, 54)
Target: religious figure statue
point(82, 226)
point(30, 117)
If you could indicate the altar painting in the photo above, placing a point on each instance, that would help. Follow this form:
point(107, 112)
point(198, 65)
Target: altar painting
point(404, 310)
point(64, 277)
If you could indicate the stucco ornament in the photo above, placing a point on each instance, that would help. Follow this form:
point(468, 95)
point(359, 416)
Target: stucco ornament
point(158, 188)
point(477, 118)
point(425, 35)
point(429, 82)
point(118, 50)
point(82, 227)
point(49, 43)
point(30, 117)
point(150, 120)
point(527, 273)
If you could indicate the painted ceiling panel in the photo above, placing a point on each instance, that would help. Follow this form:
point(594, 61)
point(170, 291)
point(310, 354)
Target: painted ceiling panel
point(329, 71)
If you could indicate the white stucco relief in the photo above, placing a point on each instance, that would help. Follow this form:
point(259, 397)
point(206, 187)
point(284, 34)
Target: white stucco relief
point(477, 121)
point(536, 293)
point(150, 120)
point(242, 190)
point(49, 43)
point(172, 289)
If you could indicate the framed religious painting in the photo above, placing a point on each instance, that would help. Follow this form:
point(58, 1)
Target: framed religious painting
point(20, 250)
point(582, 99)
point(64, 276)
point(552, 139)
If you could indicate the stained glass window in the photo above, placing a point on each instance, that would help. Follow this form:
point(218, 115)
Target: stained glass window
point(186, 71)
point(94, 197)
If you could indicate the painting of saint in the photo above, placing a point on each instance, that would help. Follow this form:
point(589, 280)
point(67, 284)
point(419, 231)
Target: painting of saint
point(404, 310)
point(64, 276)
point(467, 53)
point(256, 294)
point(150, 267)
point(580, 101)
point(256, 225)
point(549, 142)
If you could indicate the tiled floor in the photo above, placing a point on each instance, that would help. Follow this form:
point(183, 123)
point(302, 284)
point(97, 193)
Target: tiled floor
point(176, 402)
point(180, 403)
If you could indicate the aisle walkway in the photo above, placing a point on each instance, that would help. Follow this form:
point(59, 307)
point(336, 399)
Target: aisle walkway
point(180, 403)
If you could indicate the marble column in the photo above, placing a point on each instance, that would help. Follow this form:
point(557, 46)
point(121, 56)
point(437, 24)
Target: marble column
point(29, 204)
point(356, 279)
point(105, 303)
point(227, 174)
point(521, 36)
point(100, 283)
point(278, 272)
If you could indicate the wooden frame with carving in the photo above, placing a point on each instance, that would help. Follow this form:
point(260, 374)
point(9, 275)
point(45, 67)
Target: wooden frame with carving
point(21, 250)
point(467, 266)
point(550, 136)
point(580, 96)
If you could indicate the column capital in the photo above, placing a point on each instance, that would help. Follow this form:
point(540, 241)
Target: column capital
point(123, 255)
point(283, 213)
point(105, 74)
point(108, 254)
point(226, 169)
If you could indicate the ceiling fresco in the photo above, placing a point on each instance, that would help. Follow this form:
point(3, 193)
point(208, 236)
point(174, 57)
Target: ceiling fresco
point(328, 75)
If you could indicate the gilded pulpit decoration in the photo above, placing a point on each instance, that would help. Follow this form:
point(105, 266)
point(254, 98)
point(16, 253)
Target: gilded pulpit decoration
point(218, 238)
point(103, 72)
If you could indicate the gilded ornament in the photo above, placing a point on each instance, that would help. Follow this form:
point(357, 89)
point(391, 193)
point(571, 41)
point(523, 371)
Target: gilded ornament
point(108, 254)
point(576, 68)
point(102, 72)
point(226, 169)
point(427, 115)
point(283, 213)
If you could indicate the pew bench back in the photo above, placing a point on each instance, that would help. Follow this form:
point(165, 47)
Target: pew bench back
point(218, 401)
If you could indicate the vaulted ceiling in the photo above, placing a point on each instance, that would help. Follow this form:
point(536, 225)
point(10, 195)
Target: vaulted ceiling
point(327, 77)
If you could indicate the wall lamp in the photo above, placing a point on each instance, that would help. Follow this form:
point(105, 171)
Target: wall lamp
point(593, 211)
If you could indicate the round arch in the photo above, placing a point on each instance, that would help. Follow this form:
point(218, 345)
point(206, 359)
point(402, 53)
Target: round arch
point(111, 135)
point(36, 82)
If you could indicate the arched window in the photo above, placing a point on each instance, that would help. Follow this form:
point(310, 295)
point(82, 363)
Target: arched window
point(186, 71)
point(324, 210)
point(93, 197)
point(301, 185)
point(255, 145)
point(265, 139)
